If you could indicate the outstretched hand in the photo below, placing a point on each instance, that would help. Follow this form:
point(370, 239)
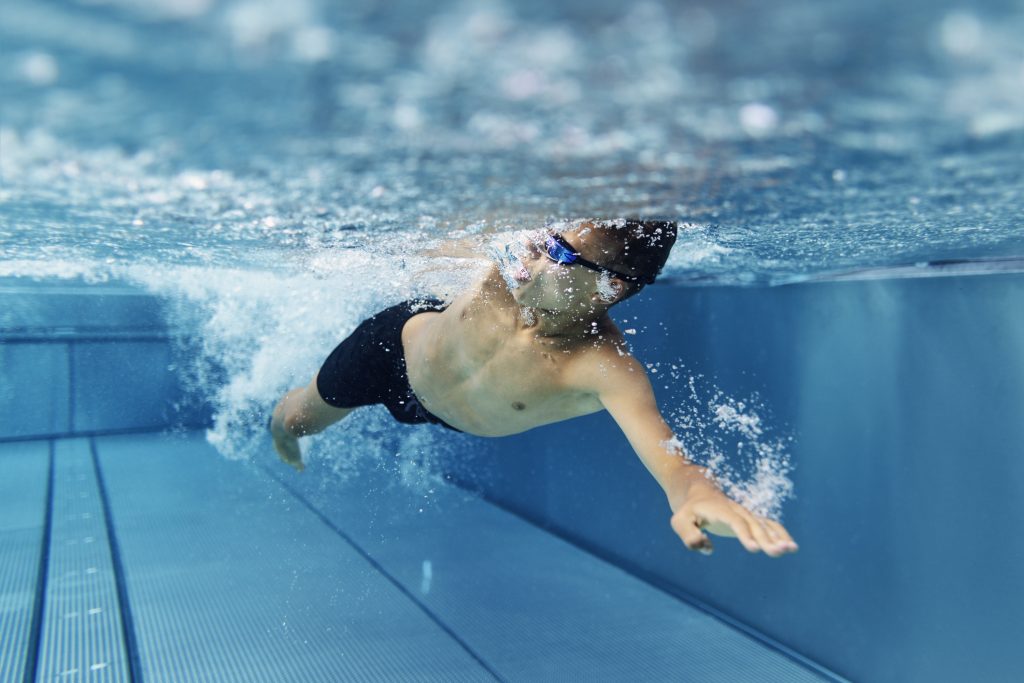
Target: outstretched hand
point(707, 508)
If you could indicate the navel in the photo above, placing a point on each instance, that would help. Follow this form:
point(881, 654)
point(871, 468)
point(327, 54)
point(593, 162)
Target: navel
point(519, 406)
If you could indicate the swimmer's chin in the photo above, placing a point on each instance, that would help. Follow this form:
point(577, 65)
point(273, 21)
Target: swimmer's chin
point(515, 288)
point(522, 296)
point(517, 285)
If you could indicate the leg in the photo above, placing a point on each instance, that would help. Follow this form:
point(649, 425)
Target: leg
point(301, 412)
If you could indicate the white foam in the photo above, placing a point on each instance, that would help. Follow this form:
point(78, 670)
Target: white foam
point(604, 287)
point(247, 336)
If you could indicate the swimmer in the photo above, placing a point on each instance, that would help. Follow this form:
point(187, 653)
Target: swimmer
point(525, 346)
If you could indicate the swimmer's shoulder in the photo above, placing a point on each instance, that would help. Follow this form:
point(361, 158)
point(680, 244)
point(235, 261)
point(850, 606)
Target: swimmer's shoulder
point(597, 361)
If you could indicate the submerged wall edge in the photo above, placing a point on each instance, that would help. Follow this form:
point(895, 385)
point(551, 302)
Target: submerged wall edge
point(87, 359)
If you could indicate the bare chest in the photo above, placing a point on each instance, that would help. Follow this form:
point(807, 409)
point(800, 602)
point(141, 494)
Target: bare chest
point(472, 374)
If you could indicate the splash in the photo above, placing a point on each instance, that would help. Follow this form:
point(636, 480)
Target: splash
point(508, 255)
point(244, 337)
point(604, 287)
point(421, 461)
point(730, 437)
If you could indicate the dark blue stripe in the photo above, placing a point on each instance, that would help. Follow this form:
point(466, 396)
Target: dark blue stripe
point(36, 632)
point(127, 622)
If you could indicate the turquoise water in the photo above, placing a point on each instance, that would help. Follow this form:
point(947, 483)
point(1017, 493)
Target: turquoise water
point(798, 139)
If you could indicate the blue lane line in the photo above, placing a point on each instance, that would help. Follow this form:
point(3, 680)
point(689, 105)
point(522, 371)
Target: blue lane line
point(127, 622)
point(35, 635)
point(383, 572)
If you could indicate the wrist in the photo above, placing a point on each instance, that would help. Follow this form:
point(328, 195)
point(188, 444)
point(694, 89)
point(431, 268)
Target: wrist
point(683, 482)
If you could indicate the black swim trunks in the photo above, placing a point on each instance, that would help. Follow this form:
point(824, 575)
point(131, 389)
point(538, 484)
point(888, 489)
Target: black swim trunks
point(369, 366)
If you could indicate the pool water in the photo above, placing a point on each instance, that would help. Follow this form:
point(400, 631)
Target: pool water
point(798, 139)
point(200, 198)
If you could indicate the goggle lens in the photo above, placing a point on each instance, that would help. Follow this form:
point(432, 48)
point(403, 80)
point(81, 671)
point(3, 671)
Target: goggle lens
point(557, 252)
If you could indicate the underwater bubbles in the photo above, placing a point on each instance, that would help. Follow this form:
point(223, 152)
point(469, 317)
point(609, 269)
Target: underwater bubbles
point(734, 439)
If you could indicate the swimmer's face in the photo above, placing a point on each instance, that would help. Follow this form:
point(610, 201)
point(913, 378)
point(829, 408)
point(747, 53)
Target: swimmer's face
point(561, 287)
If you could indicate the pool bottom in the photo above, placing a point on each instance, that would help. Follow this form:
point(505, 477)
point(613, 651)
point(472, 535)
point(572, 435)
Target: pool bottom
point(220, 570)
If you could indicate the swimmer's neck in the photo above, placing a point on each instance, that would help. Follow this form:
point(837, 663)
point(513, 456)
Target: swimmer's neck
point(531, 322)
point(559, 324)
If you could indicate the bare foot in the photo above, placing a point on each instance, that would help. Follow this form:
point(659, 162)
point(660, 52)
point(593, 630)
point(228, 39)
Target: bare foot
point(287, 447)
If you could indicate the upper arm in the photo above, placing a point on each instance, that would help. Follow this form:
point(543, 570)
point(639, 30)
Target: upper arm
point(624, 390)
point(461, 248)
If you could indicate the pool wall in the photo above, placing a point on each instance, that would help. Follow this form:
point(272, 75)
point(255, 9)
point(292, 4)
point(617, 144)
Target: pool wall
point(905, 398)
point(87, 359)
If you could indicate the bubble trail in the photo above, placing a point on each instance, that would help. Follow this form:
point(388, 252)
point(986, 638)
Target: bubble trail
point(729, 436)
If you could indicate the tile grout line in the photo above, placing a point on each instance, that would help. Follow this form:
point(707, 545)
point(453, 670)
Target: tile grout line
point(127, 622)
point(380, 569)
point(42, 576)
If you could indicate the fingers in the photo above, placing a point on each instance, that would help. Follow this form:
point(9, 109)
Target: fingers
point(772, 536)
point(688, 528)
point(750, 535)
point(781, 534)
point(289, 455)
point(755, 533)
point(765, 537)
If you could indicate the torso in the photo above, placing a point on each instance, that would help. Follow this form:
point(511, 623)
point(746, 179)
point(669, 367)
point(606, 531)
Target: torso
point(469, 366)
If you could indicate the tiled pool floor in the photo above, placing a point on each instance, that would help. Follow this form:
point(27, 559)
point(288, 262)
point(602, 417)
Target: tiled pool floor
point(152, 558)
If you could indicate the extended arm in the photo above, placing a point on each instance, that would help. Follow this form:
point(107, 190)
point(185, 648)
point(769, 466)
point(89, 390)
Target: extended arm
point(696, 502)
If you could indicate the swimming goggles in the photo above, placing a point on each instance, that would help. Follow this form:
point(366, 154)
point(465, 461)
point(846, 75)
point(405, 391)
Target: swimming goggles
point(560, 251)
